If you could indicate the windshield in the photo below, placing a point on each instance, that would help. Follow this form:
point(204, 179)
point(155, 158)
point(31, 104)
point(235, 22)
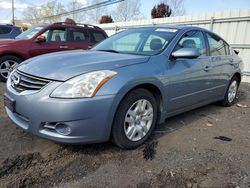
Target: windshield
point(142, 41)
point(30, 33)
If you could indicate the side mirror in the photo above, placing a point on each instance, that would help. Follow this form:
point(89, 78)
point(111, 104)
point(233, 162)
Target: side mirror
point(40, 39)
point(189, 53)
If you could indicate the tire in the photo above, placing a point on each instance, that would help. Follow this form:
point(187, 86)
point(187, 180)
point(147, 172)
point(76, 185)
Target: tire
point(233, 89)
point(7, 64)
point(130, 131)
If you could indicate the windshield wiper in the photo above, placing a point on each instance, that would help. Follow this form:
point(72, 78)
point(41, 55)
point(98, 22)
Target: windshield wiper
point(109, 50)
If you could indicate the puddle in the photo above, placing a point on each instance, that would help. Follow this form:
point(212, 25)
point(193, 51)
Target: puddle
point(150, 150)
point(223, 138)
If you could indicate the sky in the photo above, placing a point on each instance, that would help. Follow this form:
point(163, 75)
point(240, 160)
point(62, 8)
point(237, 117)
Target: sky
point(191, 6)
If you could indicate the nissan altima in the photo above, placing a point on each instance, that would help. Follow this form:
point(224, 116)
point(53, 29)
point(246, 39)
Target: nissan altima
point(124, 86)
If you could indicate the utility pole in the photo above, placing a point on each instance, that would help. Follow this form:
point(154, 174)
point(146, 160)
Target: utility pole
point(13, 12)
point(74, 8)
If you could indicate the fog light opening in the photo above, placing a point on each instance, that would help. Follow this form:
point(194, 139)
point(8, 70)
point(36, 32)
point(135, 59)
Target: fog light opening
point(63, 129)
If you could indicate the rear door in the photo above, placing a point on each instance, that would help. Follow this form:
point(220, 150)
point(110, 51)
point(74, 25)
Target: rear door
point(220, 63)
point(79, 38)
point(189, 78)
point(55, 41)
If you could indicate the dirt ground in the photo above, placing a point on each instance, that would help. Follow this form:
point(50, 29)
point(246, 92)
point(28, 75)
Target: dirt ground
point(206, 147)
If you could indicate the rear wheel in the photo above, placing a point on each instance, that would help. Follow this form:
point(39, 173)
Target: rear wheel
point(135, 119)
point(7, 64)
point(231, 93)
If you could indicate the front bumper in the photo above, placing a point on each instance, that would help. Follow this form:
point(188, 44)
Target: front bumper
point(90, 119)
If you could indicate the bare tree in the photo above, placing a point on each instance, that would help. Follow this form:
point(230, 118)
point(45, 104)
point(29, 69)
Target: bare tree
point(33, 15)
point(94, 15)
point(45, 13)
point(128, 10)
point(52, 8)
point(177, 6)
point(76, 16)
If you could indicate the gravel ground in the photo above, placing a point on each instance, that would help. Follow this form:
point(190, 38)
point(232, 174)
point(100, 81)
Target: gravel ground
point(206, 147)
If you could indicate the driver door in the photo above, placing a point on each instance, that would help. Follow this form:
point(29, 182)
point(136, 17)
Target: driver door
point(189, 78)
point(55, 41)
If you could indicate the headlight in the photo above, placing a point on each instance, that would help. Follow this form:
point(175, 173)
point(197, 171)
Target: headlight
point(85, 85)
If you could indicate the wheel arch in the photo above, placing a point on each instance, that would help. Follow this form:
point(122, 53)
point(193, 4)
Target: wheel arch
point(156, 89)
point(238, 75)
point(152, 89)
point(13, 54)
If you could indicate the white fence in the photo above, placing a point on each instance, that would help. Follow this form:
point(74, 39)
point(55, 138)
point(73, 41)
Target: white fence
point(232, 25)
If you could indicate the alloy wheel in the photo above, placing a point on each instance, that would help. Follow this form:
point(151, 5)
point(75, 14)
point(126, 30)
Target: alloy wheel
point(232, 91)
point(7, 67)
point(138, 120)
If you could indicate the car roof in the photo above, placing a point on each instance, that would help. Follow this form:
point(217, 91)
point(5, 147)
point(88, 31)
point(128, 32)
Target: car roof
point(179, 27)
point(76, 25)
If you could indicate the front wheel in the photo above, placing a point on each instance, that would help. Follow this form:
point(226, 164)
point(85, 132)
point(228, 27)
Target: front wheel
point(135, 119)
point(231, 93)
point(7, 64)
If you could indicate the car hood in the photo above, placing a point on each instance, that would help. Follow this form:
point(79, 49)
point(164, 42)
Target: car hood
point(62, 66)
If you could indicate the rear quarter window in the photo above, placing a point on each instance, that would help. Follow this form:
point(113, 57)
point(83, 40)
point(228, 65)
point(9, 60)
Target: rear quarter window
point(98, 36)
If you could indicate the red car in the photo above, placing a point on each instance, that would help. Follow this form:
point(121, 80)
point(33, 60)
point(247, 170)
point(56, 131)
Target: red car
point(44, 39)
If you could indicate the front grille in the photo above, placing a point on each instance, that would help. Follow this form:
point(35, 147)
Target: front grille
point(23, 82)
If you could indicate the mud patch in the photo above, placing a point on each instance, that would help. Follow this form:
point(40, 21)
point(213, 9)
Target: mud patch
point(64, 165)
point(150, 150)
point(18, 163)
point(165, 179)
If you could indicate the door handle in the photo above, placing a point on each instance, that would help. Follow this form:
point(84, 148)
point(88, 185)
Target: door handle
point(64, 47)
point(207, 68)
point(231, 61)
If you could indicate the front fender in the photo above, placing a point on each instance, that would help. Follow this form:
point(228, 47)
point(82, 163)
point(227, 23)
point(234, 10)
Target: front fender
point(130, 77)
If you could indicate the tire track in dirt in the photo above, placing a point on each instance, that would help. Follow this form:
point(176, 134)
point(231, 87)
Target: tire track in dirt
point(60, 166)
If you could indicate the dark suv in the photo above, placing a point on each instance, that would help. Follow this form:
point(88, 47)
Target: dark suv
point(9, 31)
point(46, 38)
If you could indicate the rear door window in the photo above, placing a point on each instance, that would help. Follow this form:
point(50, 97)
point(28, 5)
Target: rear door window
point(227, 49)
point(78, 35)
point(98, 36)
point(217, 46)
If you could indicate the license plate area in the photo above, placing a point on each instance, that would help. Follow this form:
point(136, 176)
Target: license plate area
point(9, 103)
